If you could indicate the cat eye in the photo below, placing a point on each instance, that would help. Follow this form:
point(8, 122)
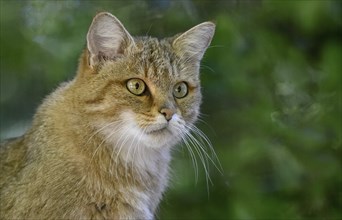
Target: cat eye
point(180, 90)
point(136, 86)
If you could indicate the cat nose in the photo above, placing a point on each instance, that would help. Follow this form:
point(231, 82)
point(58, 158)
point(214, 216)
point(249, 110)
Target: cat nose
point(168, 113)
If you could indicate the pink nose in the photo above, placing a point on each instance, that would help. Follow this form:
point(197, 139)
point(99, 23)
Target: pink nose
point(168, 113)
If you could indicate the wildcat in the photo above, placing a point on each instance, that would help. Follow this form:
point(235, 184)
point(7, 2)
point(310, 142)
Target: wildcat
point(99, 146)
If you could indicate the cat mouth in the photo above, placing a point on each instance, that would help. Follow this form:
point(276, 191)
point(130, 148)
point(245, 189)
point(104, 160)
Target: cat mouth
point(157, 129)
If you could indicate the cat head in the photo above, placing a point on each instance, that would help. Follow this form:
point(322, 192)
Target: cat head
point(141, 89)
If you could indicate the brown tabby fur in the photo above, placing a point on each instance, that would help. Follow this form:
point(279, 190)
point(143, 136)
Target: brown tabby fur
point(65, 167)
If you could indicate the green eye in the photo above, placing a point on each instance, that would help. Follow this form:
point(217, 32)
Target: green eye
point(180, 90)
point(136, 86)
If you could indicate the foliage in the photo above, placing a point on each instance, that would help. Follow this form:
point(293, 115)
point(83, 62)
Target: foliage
point(272, 96)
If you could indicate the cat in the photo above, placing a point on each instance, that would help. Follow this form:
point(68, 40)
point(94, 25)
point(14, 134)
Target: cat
point(99, 145)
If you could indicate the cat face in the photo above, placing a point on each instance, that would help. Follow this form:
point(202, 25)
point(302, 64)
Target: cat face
point(143, 90)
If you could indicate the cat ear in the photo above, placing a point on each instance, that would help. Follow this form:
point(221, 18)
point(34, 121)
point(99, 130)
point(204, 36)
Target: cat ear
point(195, 41)
point(107, 37)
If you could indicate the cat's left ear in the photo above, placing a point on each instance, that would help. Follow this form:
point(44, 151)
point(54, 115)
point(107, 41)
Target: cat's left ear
point(194, 42)
point(107, 38)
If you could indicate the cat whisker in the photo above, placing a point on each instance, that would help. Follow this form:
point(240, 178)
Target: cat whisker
point(137, 149)
point(196, 141)
point(199, 119)
point(119, 127)
point(208, 68)
point(198, 148)
point(122, 144)
point(201, 136)
point(204, 159)
point(201, 115)
point(204, 137)
point(192, 155)
point(148, 31)
point(98, 131)
point(105, 138)
point(217, 46)
point(132, 147)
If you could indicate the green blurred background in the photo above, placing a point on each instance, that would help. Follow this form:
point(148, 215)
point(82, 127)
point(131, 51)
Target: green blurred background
point(272, 96)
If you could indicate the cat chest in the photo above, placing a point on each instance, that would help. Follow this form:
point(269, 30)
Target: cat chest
point(125, 203)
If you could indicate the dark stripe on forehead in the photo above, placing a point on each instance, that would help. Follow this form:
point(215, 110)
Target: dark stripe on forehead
point(157, 58)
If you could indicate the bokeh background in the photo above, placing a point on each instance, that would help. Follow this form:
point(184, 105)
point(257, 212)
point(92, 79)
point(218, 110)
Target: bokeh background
point(272, 96)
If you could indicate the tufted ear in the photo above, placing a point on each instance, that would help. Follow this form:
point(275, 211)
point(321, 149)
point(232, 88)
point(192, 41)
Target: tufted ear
point(194, 42)
point(107, 38)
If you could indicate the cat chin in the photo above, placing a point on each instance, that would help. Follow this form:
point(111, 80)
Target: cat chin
point(160, 139)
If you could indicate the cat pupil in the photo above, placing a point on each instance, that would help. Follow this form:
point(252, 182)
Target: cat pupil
point(179, 89)
point(137, 86)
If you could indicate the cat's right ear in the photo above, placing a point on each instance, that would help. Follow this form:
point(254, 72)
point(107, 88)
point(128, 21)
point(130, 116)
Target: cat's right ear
point(107, 38)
